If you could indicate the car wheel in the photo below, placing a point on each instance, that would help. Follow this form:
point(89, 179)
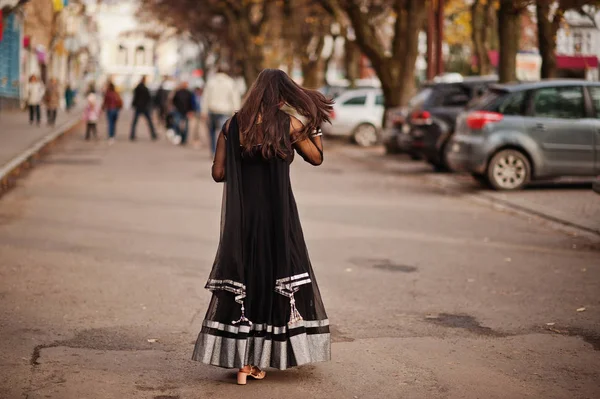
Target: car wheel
point(508, 170)
point(365, 135)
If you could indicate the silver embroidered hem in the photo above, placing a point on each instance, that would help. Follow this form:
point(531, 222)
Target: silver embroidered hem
point(260, 351)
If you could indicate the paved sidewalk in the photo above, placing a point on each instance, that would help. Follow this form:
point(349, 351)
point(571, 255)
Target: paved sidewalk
point(17, 135)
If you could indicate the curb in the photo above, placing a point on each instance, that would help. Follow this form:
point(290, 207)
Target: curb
point(11, 171)
point(519, 206)
point(450, 184)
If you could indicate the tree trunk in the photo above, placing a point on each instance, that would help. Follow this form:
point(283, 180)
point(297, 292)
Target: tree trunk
point(396, 73)
point(313, 64)
point(313, 73)
point(508, 34)
point(479, 35)
point(351, 61)
point(252, 65)
point(547, 29)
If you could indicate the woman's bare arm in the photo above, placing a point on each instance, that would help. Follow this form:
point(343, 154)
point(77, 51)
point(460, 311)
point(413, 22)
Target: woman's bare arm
point(218, 166)
point(311, 149)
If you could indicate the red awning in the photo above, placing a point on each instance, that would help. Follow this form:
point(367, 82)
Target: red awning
point(562, 61)
point(576, 62)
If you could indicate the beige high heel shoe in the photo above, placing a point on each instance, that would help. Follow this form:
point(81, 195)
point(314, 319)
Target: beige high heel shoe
point(251, 371)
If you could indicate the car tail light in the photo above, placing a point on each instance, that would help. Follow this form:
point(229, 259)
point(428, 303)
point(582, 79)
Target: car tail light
point(478, 119)
point(394, 118)
point(420, 118)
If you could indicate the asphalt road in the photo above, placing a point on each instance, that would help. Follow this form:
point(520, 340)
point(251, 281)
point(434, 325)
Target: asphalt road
point(104, 251)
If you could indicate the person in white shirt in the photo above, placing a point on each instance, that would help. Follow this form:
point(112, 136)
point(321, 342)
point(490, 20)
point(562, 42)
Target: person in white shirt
point(34, 96)
point(220, 100)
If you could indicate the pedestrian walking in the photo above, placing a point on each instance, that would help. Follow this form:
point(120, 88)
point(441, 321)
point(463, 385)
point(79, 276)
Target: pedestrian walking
point(91, 114)
point(52, 101)
point(266, 309)
point(183, 104)
point(220, 100)
point(112, 105)
point(142, 104)
point(34, 97)
point(161, 100)
point(69, 97)
point(198, 122)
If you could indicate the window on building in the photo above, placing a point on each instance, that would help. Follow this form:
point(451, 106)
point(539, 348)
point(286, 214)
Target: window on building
point(559, 102)
point(588, 43)
point(140, 55)
point(122, 55)
point(577, 42)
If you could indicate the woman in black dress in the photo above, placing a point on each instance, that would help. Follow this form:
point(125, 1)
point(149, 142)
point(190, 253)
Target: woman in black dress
point(266, 309)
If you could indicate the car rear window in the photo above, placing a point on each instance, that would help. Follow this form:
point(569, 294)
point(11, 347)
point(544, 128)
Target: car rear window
point(486, 100)
point(358, 100)
point(504, 102)
point(419, 99)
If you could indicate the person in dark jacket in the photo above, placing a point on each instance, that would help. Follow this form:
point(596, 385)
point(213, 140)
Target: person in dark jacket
point(160, 100)
point(142, 103)
point(184, 103)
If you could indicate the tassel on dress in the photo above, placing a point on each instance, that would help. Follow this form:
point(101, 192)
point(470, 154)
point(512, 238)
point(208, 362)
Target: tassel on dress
point(242, 318)
point(295, 316)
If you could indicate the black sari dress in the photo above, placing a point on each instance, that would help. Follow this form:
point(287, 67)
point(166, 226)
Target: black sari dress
point(266, 309)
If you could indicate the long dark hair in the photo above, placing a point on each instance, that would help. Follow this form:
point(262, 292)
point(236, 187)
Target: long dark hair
point(263, 123)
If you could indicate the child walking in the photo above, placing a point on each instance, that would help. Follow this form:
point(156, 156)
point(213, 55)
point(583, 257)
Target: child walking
point(91, 113)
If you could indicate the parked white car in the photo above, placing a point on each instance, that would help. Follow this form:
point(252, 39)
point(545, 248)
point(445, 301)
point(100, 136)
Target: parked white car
point(357, 114)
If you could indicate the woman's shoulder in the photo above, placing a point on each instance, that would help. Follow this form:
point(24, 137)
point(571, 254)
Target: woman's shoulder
point(294, 114)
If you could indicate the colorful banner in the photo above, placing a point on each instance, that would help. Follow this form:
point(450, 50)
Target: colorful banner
point(58, 5)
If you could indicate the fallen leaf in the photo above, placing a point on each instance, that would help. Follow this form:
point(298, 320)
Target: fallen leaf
point(581, 310)
point(152, 340)
point(550, 324)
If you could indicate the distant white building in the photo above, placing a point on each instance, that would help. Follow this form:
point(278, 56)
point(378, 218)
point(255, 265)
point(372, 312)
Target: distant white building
point(578, 46)
point(128, 48)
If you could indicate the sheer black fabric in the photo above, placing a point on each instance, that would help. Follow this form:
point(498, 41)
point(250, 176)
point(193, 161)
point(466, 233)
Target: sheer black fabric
point(266, 308)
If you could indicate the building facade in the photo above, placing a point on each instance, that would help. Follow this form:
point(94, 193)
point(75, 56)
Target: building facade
point(10, 66)
point(578, 42)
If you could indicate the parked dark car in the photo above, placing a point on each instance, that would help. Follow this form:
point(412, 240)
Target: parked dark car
point(424, 127)
point(433, 124)
point(522, 132)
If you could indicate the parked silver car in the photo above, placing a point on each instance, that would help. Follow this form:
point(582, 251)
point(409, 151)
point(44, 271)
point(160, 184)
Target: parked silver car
point(357, 114)
point(521, 132)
